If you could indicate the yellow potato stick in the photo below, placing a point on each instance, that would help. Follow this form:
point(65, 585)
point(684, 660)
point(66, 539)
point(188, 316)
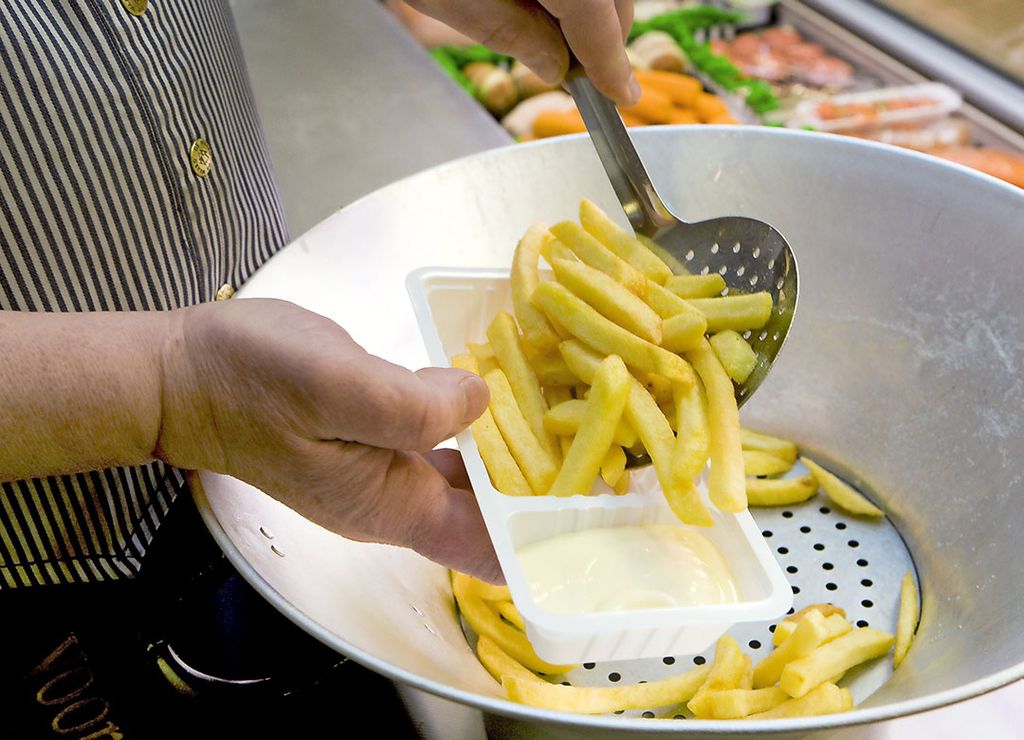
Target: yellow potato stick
point(840, 493)
point(485, 621)
point(566, 444)
point(783, 630)
point(604, 699)
point(556, 394)
point(682, 332)
point(825, 699)
point(611, 299)
point(690, 454)
point(595, 330)
point(598, 256)
point(906, 623)
point(727, 485)
point(726, 673)
point(625, 245)
point(696, 286)
point(747, 679)
point(537, 330)
point(739, 703)
point(564, 419)
point(667, 304)
point(622, 485)
point(736, 356)
point(501, 466)
point(480, 350)
point(551, 370)
point(486, 591)
point(504, 337)
point(499, 663)
point(508, 611)
point(756, 463)
point(539, 467)
point(608, 395)
point(826, 610)
point(810, 632)
point(737, 312)
point(613, 465)
point(657, 386)
point(556, 250)
point(765, 443)
point(835, 656)
point(673, 264)
point(779, 492)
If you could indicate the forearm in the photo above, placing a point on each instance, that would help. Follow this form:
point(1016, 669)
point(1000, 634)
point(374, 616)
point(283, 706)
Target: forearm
point(79, 391)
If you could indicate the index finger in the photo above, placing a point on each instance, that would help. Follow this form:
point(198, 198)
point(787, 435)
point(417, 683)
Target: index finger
point(594, 30)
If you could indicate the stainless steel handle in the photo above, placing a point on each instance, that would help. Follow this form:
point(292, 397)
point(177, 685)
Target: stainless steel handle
point(646, 213)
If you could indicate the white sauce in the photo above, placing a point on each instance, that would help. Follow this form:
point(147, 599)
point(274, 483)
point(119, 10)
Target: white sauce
point(623, 568)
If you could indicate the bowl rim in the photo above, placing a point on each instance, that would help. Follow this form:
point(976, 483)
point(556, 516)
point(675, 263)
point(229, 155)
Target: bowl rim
point(521, 712)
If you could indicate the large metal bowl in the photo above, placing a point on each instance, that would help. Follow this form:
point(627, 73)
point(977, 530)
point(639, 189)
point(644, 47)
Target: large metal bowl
point(904, 366)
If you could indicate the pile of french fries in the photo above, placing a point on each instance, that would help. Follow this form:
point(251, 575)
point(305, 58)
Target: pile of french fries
point(814, 648)
point(615, 353)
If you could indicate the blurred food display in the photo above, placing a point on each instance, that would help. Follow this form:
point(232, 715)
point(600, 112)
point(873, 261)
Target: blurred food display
point(730, 62)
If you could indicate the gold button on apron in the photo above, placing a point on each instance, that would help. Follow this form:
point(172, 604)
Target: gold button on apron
point(135, 7)
point(224, 292)
point(201, 157)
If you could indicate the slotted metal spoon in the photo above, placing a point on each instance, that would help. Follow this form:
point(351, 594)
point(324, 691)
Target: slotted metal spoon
point(750, 255)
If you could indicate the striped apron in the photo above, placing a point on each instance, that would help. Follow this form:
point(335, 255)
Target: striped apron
point(103, 107)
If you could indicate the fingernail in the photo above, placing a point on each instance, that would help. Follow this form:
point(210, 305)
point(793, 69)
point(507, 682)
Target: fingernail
point(476, 395)
point(634, 92)
point(549, 68)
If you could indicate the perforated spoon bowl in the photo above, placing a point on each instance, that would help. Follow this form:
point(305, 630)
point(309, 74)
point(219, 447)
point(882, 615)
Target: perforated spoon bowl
point(750, 255)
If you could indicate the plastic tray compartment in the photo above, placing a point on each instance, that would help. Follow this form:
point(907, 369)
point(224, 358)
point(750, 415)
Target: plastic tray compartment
point(455, 306)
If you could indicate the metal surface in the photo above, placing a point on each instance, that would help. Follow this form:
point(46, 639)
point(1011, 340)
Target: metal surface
point(903, 372)
point(350, 102)
point(749, 254)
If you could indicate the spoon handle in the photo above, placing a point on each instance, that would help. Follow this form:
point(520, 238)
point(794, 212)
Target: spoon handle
point(646, 212)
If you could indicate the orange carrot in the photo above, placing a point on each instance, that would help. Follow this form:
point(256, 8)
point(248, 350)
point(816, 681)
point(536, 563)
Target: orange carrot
point(708, 106)
point(724, 118)
point(681, 89)
point(632, 120)
point(682, 115)
point(654, 106)
point(557, 123)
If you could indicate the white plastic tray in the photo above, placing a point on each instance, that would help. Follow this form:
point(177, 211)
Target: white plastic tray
point(944, 99)
point(455, 306)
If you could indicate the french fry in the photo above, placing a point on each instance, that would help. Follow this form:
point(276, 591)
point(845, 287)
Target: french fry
point(556, 250)
point(608, 395)
point(613, 465)
point(623, 244)
point(747, 678)
point(696, 286)
point(607, 337)
point(690, 453)
point(736, 356)
point(779, 492)
point(657, 386)
point(598, 256)
point(480, 350)
point(501, 466)
point(835, 656)
point(783, 630)
point(727, 485)
point(648, 421)
point(683, 332)
point(840, 493)
point(551, 370)
point(736, 312)
point(486, 591)
point(508, 611)
point(756, 463)
point(537, 330)
point(826, 610)
point(825, 699)
point(667, 257)
point(558, 394)
point(564, 420)
point(726, 673)
point(622, 485)
point(765, 443)
point(906, 623)
point(537, 465)
point(739, 703)
point(610, 298)
point(811, 632)
point(499, 663)
point(485, 621)
point(604, 699)
point(668, 305)
point(505, 341)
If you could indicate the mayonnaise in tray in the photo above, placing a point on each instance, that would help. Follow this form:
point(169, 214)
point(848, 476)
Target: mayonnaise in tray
point(625, 568)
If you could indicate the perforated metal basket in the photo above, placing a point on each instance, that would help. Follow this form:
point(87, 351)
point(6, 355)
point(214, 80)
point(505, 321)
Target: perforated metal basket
point(903, 373)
